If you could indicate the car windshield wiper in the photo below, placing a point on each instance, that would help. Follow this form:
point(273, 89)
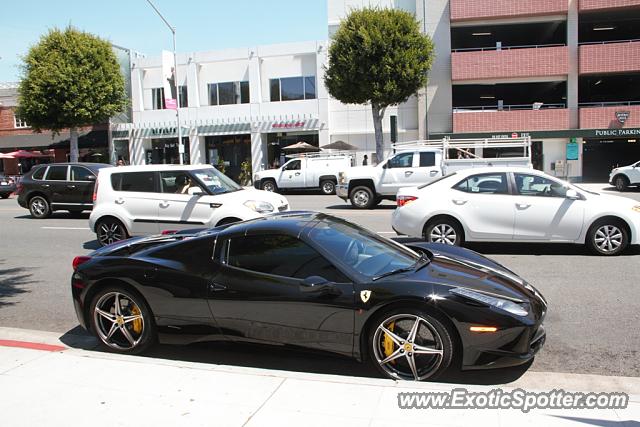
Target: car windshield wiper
point(424, 260)
point(420, 262)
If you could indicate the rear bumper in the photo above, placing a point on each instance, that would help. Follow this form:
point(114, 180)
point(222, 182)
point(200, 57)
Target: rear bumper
point(342, 191)
point(7, 189)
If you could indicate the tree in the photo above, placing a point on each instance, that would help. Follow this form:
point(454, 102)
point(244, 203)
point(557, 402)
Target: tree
point(70, 79)
point(378, 56)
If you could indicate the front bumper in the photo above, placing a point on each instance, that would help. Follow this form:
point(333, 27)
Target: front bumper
point(342, 191)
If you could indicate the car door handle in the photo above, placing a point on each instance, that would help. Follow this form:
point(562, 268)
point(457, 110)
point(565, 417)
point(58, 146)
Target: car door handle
point(408, 173)
point(459, 202)
point(119, 201)
point(297, 173)
point(216, 287)
point(164, 204)
point(71, 187)
point(522, 205)
point(45, 186)
point(433, 173)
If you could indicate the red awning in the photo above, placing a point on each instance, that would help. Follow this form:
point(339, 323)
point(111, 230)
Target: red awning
point(23, 154)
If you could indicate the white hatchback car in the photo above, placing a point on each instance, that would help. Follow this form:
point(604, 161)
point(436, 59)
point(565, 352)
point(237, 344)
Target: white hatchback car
point(516, 205)
point(141, 200)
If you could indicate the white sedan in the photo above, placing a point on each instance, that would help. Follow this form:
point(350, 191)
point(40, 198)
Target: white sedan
point(516, 205)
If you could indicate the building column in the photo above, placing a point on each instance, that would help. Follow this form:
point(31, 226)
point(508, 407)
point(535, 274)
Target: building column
point(572, 79)
point(259, 156)
point(197, 148)
point(136, 149)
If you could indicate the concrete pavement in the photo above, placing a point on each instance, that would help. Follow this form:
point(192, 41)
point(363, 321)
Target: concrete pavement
point(71, 386)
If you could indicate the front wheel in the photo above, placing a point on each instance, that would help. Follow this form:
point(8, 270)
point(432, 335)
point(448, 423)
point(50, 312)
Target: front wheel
point(122, 321)
point(328, 187)
point(269, 185)
point(621, 182)
point(39, 207)
point(444, 231)
point(409, 344)
point(607, 238)
point(362, 197)
point(109, 231)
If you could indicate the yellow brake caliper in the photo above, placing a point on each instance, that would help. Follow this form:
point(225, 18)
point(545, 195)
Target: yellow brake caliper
point(388, 342)
point(136, 325)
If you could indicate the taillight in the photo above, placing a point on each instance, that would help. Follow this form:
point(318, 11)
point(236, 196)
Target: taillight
point(165, 232)
point(95, 191)
point(403, 200)
point(78, 261)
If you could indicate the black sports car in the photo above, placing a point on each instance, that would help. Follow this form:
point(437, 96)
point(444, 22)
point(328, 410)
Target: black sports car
point(316, 281)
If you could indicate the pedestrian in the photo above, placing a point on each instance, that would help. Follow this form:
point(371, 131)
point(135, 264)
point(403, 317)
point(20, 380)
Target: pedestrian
point(365, 160)
point(120, 162)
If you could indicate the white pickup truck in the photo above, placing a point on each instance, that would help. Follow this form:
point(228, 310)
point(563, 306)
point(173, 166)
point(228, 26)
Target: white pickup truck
point(310, 171)
point(420, 162)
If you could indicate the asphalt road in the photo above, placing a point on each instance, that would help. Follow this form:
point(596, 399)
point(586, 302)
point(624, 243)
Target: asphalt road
point(592, 322)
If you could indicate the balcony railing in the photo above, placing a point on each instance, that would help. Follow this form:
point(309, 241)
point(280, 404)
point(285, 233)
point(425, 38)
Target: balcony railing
point(608, 104)
point(492, 48)
point(512, 107)
point(609, 42)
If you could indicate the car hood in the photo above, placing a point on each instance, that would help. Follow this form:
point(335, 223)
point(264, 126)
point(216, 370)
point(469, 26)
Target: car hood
point(459, 267)
point(268, 173)
point(242, 196)
point(612, 200)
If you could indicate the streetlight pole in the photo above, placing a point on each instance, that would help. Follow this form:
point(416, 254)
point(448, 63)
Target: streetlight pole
point(175, 81)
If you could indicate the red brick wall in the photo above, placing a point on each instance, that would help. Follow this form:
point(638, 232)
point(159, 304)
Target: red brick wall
point(492, 64)
point(606, 4)
point(462, 10)
point(605, 117)
point(509, 121)
point(609, 58)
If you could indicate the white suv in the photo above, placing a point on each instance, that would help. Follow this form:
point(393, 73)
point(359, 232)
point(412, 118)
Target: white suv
point(141, 200)
point(624, 176)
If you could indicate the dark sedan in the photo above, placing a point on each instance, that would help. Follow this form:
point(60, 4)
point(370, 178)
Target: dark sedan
point(315, 281)
point(7, 186)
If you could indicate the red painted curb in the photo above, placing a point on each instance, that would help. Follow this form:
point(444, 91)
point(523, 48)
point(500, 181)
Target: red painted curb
point(31, 345)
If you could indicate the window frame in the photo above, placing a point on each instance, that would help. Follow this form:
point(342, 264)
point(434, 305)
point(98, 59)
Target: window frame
point(304, 88)
point(156, 188)
point(154, 98)
point(80, 167)
point(411, 153)
point(507, 177)
point(44, 173)
point(46, 176)
point(516, 190)
point(19, 123)
point(237, 90)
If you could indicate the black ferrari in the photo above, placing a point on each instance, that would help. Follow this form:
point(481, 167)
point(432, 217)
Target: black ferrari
point(312, 280)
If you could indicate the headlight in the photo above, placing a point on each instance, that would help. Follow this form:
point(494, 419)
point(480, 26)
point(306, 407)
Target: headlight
point(258, 206)
point(342, 179)
point(499, 303)
point(636, 208)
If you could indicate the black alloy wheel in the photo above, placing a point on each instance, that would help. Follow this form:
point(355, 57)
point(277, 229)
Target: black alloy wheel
point(109, 231)
point(621, 182)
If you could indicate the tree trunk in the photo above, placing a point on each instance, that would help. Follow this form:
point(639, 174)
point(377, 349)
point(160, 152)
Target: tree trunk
point(73, 145)
point(378, 115)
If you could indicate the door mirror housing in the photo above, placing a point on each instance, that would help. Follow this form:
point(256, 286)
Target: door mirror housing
point(92, 177)
point(572, 194)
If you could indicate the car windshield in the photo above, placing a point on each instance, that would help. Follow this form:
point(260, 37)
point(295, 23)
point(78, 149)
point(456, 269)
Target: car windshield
point(361, 250)
point(216, 182)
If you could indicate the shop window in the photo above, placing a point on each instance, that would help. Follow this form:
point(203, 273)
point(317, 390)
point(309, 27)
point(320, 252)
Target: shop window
point(157, 98)
point(292, 88)
point(227, 93)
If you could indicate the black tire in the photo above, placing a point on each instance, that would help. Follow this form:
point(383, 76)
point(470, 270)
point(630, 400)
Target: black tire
point(132, 303)
point(110, 230)
point(608, 237)
point(432, 334)
point(4, 196)
point(444, 230)
point(269, 185)
point(328, 187)
point(39, 207)
point(362, 197)
point(621, 183)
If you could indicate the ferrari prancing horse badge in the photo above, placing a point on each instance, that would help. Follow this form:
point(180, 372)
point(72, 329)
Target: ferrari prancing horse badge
point(365, 295)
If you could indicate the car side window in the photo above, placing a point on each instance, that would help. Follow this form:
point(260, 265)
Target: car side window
point(178, 182)
point(39, 173)
point(403, 160)
point(494, 183)
point(78, 173)
point(57, 173)
point(279, 255)
point(293, 166)
point(534, 185)
point(427, 159)
point(134, 181)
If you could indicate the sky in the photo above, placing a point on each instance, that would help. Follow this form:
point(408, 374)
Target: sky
point(201, 25)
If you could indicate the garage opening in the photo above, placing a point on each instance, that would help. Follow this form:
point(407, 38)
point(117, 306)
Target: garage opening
point(602, 155)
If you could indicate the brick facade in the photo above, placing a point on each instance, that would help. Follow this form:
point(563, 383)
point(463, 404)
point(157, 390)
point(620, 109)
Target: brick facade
point(510, 121)
point(605, 117)
point(495, 64)
point(588, 5)
point(610, 58)
point(7, 124)
point(466, 10)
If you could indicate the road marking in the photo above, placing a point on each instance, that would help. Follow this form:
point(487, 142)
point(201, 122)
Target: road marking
point(64, 228)
point(31, 345)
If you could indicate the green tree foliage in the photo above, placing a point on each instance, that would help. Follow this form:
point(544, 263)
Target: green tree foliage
point(378, 56)
point(70, 79)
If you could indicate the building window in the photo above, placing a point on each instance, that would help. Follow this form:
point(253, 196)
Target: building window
point(157, 98)
point(184, 99)
point(18, 123)
point(292, 88)
point(227, 93)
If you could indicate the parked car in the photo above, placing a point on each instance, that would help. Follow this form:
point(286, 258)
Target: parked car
point(58, 186)
point(7, 186)
point(625, 176)
point(420, 162)
point(516, 205)
point(315, 171)
point(312, 280)
point(143, 200)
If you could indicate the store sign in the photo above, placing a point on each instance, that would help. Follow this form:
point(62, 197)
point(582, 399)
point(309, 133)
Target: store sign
point(622, 116)
point(617, 132)
point(162, 131)
point(288, 125)
point(573, 150)
point(513, 135)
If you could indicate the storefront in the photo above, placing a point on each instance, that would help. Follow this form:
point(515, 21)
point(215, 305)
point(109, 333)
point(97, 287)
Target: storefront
point(277, 141)
point(228, 152)
point(165, 151)
point(606, 149)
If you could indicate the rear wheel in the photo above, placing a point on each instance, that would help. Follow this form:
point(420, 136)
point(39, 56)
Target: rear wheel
point(409, 344)
point(110, 230)
point(39, 207)
point(4, 195)
point(607, 237)
point(444, 230)
point(362, 197)
point(621, 182)
point(328, 187)
point(269, 185)
point(122, 321)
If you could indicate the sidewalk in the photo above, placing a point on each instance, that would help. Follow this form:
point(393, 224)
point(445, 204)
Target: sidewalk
point(57, 385)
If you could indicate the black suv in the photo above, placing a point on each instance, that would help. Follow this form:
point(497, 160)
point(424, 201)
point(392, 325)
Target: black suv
point(58, 186)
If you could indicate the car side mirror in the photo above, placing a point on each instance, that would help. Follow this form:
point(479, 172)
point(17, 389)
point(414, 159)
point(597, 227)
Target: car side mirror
point(318, 285)
point(572, 194)
point(91, 178)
